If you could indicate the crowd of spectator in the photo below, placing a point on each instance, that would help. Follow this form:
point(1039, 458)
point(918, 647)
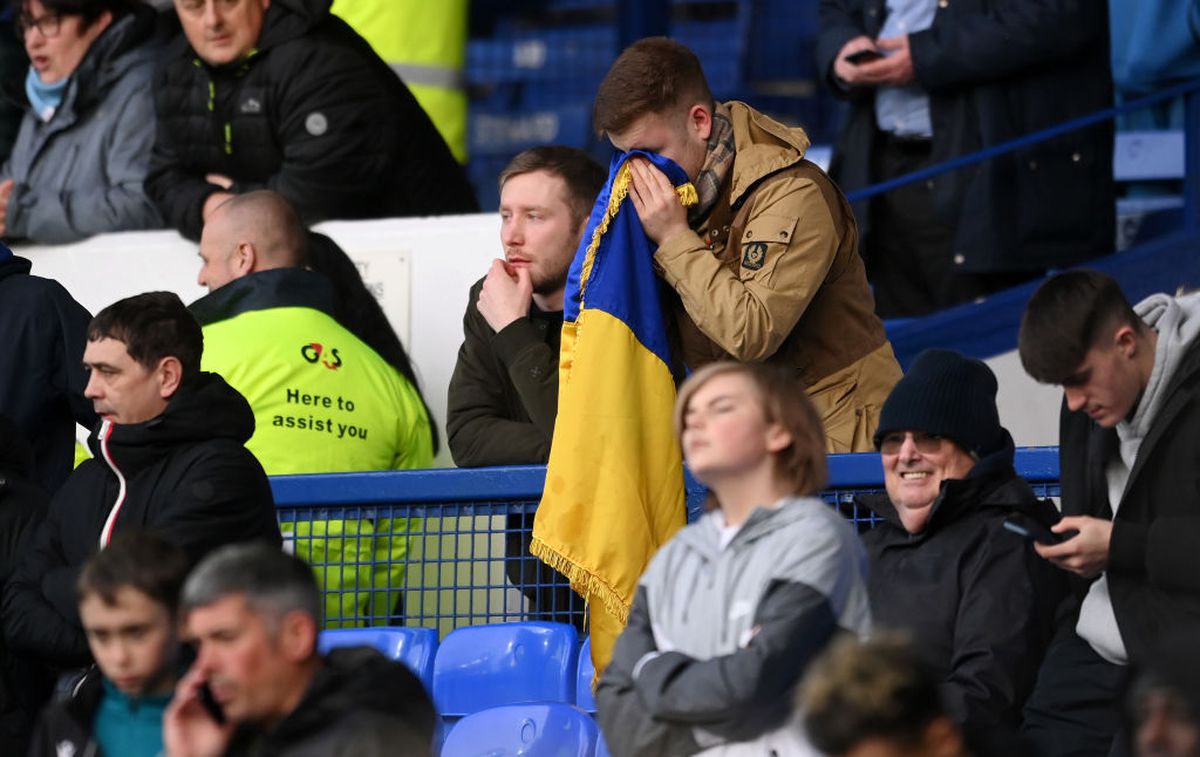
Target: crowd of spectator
point(145, 590)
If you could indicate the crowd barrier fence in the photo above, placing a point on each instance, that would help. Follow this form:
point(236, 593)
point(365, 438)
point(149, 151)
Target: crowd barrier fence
point(439, 536)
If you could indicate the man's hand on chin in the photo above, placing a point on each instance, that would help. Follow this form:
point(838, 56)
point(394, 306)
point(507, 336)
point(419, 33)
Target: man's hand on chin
point(506, 295)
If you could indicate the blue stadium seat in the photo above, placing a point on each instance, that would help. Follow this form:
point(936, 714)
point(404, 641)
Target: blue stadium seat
point(415, 647)
point(507, 663)
point(546, 729)
point(584, 698)
point(601, 747)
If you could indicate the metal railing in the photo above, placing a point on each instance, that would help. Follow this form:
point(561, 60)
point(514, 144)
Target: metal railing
point(1190, 91)
point(437, 548)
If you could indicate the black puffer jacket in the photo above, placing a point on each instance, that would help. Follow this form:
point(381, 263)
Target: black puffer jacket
point(976, 599)
point(358, 704)
point(41, 376)
point(185, 475)
point(313, 114)
point(24, 684)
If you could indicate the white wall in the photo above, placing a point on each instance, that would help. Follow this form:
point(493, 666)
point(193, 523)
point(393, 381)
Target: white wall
point(421, 270)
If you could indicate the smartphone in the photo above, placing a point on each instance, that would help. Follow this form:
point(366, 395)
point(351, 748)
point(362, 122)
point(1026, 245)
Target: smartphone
point(211, 704)
point(1035, 530)
point(862, 56)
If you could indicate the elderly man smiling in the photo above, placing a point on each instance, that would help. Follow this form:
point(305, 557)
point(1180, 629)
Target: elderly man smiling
point(977, 601)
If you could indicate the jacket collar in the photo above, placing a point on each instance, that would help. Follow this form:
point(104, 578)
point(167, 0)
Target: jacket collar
point(276, 288)
point(14, 266)
point(764, 147)
point(203, 409)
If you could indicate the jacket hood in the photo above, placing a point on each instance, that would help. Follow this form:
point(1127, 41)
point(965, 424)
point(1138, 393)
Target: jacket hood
point(764, 146)
point(992, 482)
point(277, 288)
point(1177, 321)
point(127, 43)
point(359, 679)
point(704, 535)
point(288, 19)
point(203, 409)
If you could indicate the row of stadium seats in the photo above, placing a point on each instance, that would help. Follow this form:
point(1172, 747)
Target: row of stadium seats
point(479, 667)
point(508, 688)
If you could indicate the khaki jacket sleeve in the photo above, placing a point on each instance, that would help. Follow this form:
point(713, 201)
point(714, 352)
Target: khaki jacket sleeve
point(784, 252)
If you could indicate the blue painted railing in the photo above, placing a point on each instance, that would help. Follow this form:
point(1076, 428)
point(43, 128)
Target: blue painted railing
point(443, 536)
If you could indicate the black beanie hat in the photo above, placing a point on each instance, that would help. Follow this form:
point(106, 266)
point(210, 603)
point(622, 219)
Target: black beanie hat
point(949, 395)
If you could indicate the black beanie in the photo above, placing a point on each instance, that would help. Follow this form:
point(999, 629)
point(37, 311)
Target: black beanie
point(949, 395)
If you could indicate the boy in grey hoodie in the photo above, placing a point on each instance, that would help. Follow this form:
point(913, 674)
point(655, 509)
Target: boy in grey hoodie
point(732, 609)
point(1129, 453)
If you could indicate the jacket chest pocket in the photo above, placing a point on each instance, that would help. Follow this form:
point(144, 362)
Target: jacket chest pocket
point(250, 134)
point(756, 252)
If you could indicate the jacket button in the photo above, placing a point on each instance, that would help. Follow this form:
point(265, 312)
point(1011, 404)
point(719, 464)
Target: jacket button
point(535, 372)
point(1076, 157)
point(959, 259)
point(748, 233)
point(713, 233)
point(943, 3)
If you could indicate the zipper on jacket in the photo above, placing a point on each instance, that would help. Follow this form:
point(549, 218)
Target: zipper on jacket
point(106, 429)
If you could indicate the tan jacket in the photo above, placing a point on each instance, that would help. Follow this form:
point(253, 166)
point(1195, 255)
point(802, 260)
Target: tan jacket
point(773, 274)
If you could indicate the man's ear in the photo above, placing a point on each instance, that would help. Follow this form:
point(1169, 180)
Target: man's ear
point(297, 636)
point(1126, 340)
point(170, 376)
point(699, 120)
point(245, 259)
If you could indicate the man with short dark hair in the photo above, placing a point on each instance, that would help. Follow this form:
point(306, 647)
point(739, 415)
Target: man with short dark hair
point(253, 614)
point(1129, 451)
point(169, 457)
point(503, 396)
point(765, 267)
point(283, 95)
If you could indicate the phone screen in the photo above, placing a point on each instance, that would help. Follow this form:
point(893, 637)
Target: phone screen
point(863, 56)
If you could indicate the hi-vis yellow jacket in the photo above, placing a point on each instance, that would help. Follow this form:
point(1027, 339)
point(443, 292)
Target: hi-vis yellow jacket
point(425, 43)
point(323, 402)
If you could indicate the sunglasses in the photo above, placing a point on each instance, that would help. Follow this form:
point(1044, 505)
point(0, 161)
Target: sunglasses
point(926, 444)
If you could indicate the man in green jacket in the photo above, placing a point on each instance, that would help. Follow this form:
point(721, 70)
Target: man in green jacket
point(324, 401)
point(503, 395)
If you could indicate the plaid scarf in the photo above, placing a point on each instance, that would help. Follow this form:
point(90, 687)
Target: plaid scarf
point(717, 163)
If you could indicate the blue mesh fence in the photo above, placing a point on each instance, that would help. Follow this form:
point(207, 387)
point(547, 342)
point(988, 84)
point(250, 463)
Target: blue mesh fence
point(446, 548)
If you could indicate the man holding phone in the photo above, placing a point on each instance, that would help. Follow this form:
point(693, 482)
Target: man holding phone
point(258, 685)
point(1129, 452)
point(930, 80)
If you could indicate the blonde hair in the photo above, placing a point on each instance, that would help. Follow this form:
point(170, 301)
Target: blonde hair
point(783, 400)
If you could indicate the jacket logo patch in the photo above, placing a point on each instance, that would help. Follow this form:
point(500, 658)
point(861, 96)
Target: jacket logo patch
point(754, 255)
point(312, 353)
point(316, 123)
point(64, 748)
point(251, 105)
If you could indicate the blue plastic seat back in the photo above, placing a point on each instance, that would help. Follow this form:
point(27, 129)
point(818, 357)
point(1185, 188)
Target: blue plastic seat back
point(507, 663)
point(415, 647)
point(601, 747)
point(584, 698)
point(546, 729)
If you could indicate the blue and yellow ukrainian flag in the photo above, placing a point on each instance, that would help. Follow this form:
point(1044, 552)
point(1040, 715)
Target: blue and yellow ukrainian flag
point(614, 486)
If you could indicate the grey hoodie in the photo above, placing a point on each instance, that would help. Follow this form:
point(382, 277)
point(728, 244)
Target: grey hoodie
point(1177, 321)
point(718, 637)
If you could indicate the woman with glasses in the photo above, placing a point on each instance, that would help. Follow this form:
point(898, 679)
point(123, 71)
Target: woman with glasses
point(84, 146)
point(973, 595)
point(733, 608)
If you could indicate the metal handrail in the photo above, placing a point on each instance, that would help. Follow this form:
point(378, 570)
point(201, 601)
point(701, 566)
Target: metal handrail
point(525, 482)
point(1191, 147)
